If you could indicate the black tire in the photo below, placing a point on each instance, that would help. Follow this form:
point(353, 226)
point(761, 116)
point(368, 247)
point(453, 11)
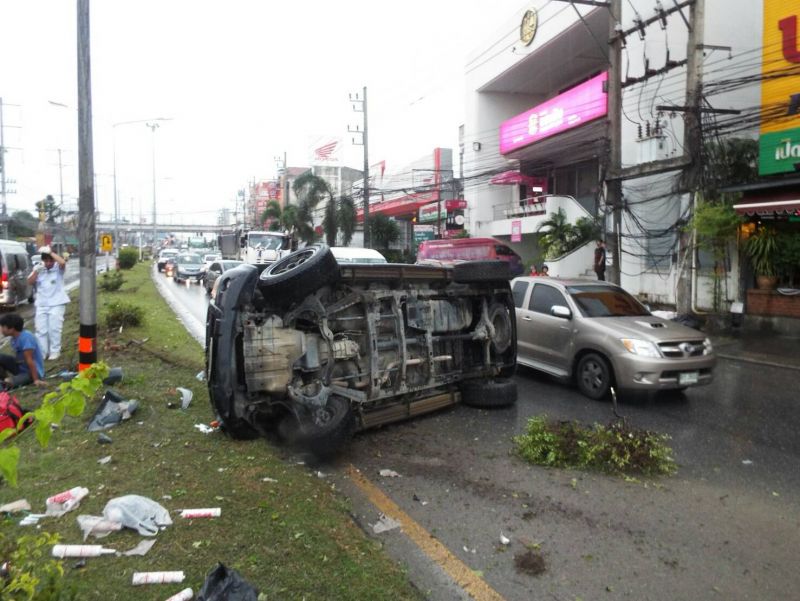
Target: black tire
point(323, 430)
point(295, 276)
point(481, 271)
point(490, 393)
point(594, 376)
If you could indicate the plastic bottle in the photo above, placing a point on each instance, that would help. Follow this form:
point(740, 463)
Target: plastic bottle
point(66, 501)
point(62, 551)
point(184, 595)
point(205, 512)
point(157, 577)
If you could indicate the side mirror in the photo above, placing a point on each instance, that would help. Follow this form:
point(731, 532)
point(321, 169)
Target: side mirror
point(561, 311)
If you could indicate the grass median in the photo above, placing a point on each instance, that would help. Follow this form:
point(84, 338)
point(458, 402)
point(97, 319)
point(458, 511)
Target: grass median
point(283, 528)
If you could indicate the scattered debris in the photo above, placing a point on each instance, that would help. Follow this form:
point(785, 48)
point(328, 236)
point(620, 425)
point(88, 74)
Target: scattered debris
point(268, 479)
point(97, 526)
point(104, 439)
point(206, 512)
point(141, 549)
point(205, 429)
point(384, 524)
point(112, 410)
point(531, 563)
point(504, 540)
point(186, 397)
point(321, 474)
point(14, 506)
point(226, 584)
point(114, 376)
point(747, 462)
point(139, 513)
point(31, 519)
point(184, 595)
point(157, 577)
point(468, 550)
point(201, 376)
point(418, 500)
point(62, 551)
point(389, 474)
point(104, 460)
point(59, 504)
point(65, 375)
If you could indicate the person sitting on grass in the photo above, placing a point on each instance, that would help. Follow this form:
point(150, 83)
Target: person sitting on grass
point(28, 365)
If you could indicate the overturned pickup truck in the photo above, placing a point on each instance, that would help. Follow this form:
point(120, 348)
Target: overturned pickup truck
point(315, 350)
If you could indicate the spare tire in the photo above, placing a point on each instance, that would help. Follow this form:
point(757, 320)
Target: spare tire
point(489, 393)
point(481, 271)
point(295, 276)
point(321, 430)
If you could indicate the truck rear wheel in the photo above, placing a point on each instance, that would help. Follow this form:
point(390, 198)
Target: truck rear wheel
point(321, 430)
point(295, 276)
point(489, 393)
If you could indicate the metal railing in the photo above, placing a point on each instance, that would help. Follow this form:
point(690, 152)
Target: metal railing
point(527, 207)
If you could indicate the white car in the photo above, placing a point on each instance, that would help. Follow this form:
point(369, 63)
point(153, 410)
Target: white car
point(208, 259)
point(346, 254)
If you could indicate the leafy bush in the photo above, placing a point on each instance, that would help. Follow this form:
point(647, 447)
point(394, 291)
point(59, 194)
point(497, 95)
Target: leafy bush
point(121, 314)
point(615, 448)
point(111, 281)
point(128, 257)
point(560, 236)
point(32, 575)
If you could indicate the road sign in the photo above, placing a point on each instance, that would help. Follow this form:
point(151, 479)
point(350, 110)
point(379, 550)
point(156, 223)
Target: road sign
point(106, 243)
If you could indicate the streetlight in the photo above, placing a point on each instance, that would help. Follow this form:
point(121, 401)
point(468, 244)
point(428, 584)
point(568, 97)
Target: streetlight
point(114, 149)
point(153, 127)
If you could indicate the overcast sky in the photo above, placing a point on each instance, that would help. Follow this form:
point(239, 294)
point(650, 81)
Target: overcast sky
point(241, 82)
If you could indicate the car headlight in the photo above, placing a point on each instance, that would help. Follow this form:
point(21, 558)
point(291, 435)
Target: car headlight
point(643, 348)
point(707, 346)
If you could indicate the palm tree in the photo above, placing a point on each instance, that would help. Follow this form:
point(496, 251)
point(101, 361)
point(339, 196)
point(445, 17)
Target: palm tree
point(330, 222)
point(347, 218)
point(383, 230)
point(558, 231)
point(310, 190)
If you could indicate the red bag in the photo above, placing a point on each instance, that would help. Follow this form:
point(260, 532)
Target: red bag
point(10, 412)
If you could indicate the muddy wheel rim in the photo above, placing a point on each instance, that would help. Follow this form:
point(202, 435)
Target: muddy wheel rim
point(293, 262)
point(593, 376)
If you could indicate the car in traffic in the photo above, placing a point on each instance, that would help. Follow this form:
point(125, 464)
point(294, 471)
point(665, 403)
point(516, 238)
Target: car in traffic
point(317, 350)
point(347, 254)
point(599, 335)
point(209, 258)
point(169, 266)
point(216, 269)
point(165, 254)
point(15, 267)
point(188, 268)
point(451, 251)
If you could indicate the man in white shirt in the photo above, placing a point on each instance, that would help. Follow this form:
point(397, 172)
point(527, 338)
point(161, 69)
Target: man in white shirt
point(51, 301)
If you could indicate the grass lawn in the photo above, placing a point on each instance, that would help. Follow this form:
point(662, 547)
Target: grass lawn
point(292, 539)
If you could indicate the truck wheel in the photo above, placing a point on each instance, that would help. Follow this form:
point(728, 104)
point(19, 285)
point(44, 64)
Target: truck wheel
point(481, 271)
point(297, 275)
point(322, 430)
point(593, 376)
point(490, 393)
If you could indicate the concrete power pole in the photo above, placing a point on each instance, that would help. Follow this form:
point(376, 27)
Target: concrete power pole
point(3, 174)
point(614, 186)
point(693, 142)
point(87, 341)
point(365, 143)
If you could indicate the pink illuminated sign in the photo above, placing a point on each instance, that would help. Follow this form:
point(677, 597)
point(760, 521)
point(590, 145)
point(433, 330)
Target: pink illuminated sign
point(579, 105)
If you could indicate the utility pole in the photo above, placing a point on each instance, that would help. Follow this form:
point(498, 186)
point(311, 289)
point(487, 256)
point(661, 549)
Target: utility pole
point(61, 199)
point(365, 143)
point(693, 142)
point(614, 186)
point(3, 174)
point(153, 127)
point(87, 341)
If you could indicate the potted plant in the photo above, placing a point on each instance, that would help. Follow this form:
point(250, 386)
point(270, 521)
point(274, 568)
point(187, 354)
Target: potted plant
point(762, 249)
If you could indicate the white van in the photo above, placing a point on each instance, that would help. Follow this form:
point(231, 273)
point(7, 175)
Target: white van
point(346, 254)
point(16, 267)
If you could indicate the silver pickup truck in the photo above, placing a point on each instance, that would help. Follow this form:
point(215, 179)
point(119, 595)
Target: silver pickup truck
point(318, 350)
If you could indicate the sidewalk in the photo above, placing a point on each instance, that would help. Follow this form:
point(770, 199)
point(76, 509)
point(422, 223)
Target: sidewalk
point(763, 349)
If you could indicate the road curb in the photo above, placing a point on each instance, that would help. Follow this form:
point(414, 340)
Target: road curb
point(757, 361)
point(196, 329)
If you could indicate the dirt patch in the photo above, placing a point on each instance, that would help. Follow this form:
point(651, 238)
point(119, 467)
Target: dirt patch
point(531, 562)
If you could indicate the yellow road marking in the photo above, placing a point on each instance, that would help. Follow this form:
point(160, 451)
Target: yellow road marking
point(476, 587)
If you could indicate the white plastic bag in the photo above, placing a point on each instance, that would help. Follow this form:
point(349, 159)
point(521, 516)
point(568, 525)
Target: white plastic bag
point(97, 526)
point(138, 513)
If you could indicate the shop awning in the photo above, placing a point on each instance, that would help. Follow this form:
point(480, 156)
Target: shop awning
point(788, 207)
point(514, 178)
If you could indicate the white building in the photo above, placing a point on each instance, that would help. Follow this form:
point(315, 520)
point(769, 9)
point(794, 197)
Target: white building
point(536, 115)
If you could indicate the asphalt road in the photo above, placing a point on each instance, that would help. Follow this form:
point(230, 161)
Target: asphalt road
point(727, 526)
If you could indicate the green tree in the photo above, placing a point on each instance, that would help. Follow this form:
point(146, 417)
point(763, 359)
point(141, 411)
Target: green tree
point(347, 218)
point(50, 208)
point(728, 162)
point(310, 190)
point(330, 222)
point(383, 230)
point(22, 225)
point(282, 219)
point(558, 232)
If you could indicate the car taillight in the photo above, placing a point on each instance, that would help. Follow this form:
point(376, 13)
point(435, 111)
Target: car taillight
point(5, 280)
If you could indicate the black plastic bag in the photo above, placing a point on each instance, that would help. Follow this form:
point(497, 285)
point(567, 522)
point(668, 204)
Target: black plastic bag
point(225, 584)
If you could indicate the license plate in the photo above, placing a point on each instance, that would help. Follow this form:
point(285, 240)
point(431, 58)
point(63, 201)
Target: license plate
point(688, 377)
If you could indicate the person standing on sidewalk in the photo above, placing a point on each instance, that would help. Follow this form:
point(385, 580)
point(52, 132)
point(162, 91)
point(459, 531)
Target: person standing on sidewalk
point(600, 260)
point(51, 301)
point(27, 365)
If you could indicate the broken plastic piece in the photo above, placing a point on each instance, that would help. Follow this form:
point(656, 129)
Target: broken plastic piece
point(139, 513)
point(114, 376)
point(104, 439)
point(112, 410)
point(206, 512)
point(97, 526)
point(104, 460)
point(384, 524)
point(186, 397)
point(226, 584)
point(204, 428)
point(157, 577)
point(20, 505)
point(65, 501)
point(142, 548)
point(201, 376)
point(504, 540)
point(389, 474)
point(62, 551)
point(31, 519)
point(184, 595)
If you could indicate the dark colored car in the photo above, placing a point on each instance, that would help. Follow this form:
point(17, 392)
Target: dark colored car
point(319, 350)
point(216, 269)
point(189, 268)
